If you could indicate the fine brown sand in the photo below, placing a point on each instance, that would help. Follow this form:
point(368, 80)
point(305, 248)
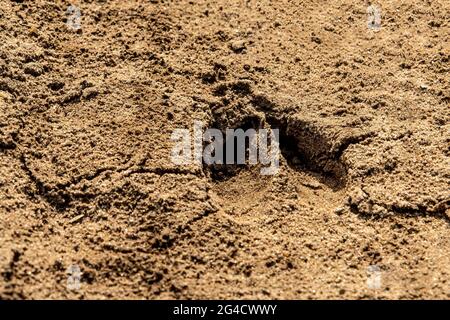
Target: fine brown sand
point(86, 177)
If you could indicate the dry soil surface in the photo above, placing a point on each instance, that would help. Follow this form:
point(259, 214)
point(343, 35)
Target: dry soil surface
point(359, 208)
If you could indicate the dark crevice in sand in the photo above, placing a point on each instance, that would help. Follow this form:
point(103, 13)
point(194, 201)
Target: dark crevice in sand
point(305, 149)
point(303, 146)
point(223, 172)
point(7, 146)
point(162, 171)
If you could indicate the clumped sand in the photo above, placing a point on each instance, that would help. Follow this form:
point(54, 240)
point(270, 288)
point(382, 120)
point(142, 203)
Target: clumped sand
point(86, 177)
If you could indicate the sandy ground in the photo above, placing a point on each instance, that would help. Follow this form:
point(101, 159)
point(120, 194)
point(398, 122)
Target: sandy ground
point(359, 208)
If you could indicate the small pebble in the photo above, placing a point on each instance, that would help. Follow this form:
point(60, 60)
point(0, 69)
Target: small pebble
point(237, 46)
